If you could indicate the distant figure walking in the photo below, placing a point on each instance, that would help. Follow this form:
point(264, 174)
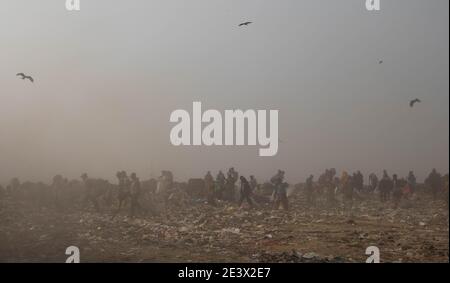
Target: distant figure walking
point(210, 189)
point(310, 199)
point(347, 190)
point(412, 181)
point(281, 197)
point(398, 189)
point(385, 187)
point(373, 182)
point(434, 181)
point(246, 192)
point(232, 177)
point(220, 185)
point(135, 192)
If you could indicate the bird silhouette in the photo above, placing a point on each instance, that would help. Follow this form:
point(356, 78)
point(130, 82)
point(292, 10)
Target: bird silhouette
point(245, 24)
point(412, 102)
point(25, 77)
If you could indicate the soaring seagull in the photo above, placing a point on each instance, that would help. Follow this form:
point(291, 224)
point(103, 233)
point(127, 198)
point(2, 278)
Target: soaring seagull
point(25, 77)
point(412, 102)
point(245, 24)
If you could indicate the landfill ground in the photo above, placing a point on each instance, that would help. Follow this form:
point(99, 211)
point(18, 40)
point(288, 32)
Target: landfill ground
point(417, 231)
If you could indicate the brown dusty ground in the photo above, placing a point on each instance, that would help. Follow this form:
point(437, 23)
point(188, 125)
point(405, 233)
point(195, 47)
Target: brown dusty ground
point(416, 232)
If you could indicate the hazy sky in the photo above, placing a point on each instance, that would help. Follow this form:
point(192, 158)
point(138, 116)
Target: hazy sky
point(108, 77)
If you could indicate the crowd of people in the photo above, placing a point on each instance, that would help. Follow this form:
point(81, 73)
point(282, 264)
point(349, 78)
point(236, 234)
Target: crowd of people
point(130, 191)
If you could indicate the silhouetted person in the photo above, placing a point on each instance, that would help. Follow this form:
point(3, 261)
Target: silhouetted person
point(358, 181)
point(210, 190)
point(373, 182)
point(220, 182)
point(246, 192)
point(347, 190)
point(281, 196)
point(309, 189)
point(412, 182)
point(280, 193)
point(167, 176)
point(397, 191)
point(124, 188)
point(434, 180)
point(385, 187)
point(232, 177)
point(135, 192)
point(277, 180)
point(253, 183)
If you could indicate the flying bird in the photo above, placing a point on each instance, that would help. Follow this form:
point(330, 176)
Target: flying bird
point(25, 77)
point(245, 24)
point(412, 102)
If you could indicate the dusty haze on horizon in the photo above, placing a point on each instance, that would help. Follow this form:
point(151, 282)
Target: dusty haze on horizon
point(108, 77)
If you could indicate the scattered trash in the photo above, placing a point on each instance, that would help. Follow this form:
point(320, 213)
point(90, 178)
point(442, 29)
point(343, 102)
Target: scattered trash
point(226, 233)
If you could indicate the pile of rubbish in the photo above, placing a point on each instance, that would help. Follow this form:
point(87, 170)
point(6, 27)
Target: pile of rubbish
point(297, 257)
point(225, 232)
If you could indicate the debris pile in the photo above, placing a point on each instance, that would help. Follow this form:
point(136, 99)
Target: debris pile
point(297, 257)
point(226, 233)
